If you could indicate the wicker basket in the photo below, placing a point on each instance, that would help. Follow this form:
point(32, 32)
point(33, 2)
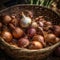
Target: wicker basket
point(26, 54)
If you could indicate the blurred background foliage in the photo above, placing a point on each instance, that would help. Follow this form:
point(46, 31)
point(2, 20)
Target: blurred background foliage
point(54, 4)
point(46, 3)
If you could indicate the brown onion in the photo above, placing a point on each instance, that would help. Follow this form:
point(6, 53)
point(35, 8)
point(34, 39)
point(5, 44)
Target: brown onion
point(6, 19)
point(56, 30)
point(35, 45)
point(48, 23)
point(25, 21)
point(50, 38)
point(57, 39)
point(16, 31)
point(23, 42)
point(40, 39)
point(14, 20)
point(7, 36)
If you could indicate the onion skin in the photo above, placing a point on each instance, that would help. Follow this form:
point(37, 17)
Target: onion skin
point(41, 24)
point(7, 36)
point(57, 30)
point(34, 25)
point(40, 39)
point(23, 42)
point(30, 14)
point(25, 21)
point(14, 21)
point(57, 39)
point(17, 33)
point(35, 45)
point(6, 19)
point(48, 23)
point(31, 32)
point(50, 38)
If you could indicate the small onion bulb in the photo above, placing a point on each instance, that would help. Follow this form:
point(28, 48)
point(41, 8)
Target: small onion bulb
point(34, 24)
point(7, 36)
point(25, 21)
point(35, 45)
point(23, 42)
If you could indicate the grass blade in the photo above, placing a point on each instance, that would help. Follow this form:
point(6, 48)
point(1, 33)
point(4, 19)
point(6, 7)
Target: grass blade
point(50, 3)
point(31, 2)
point(37, 3)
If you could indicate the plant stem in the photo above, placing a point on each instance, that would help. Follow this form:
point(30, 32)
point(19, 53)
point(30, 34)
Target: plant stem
point(47, 3)
point(31, 2)
point(37, 3)
point(50, 3)
point(42, 2)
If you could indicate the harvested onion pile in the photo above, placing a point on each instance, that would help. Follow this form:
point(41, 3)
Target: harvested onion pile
point(28, 32)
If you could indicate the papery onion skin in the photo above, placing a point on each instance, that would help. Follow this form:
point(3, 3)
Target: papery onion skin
point(50, 38)
point(17, 33)
point(23, 42)
point(7, 36)
point(40, 39)
point(35, 45)
point(25, 21)
point(31, 32)
point(6, 19)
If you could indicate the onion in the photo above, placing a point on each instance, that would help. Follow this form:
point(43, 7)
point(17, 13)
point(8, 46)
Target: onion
point(6, 19)
point(57, 39)
point(40, 39)
point(41, 24)
point(30, 14)
point(14, 21)
point(34, 25)
point(40, 31)
point(23, 42)
point(35, 45)
point(16, 31)
point(25, 21)
point(7, 36)
point(31, 32)
point(56, 30)
point(48, 23)
point(50, 38)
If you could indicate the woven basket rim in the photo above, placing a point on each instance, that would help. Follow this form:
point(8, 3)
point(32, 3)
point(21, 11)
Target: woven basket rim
point(29, 5)
point(28, 50)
